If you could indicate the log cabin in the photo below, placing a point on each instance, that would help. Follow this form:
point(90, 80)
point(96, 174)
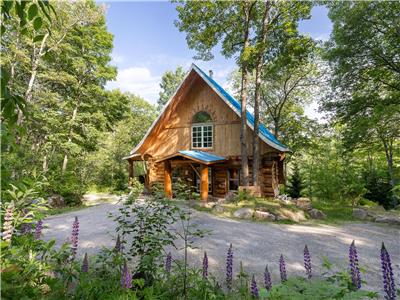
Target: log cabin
point(196, 137)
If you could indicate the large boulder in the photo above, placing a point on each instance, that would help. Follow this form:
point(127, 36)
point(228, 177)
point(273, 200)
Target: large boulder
point(287, 214)
point(360, 213)
point(393, 220)
point(244, 213)
point(304, 203)
point(316, 214)
point(264, 215)
point(56, 201)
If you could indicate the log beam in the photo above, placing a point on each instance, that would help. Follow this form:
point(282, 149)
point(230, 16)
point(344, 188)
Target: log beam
point(168, 179)
point(204, 182)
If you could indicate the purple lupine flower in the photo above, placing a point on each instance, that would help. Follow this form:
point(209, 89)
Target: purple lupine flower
point(205, 265)
point(267, 279)
point(118, 247)
point(126, 278)
point(38, 229)
point(229, 267)
point(74, 238)
point(26, 228)
point(168, 263)
point(254, 288)
point(282, 269)
point(8, 227)
point(354, 269)
point(85, 264)
point(307, 262)
point(388, 277)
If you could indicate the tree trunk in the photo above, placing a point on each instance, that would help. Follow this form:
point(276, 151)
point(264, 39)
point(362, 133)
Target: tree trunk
point(65, 161)
point(243, 97)
point(260, 63)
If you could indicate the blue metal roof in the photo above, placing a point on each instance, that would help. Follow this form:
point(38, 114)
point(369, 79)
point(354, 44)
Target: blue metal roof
point(202, 156)
point(250, 117)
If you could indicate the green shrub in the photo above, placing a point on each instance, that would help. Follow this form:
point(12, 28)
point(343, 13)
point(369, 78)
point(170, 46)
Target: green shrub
point(69, 186)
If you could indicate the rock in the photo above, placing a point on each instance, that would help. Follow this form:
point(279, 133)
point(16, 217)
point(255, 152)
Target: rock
point(316, 214)
point(264, 215)
point(304, 203)
point(218, 208)
point(231, 196)
point(286, 214)
point(253, 190)
point(243, 213)
point(360, 213)
point(393, 220)
point(56, 200)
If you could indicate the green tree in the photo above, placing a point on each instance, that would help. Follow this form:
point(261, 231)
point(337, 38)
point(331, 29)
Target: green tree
point(108, 169)
point(169, 83)
point(295, 183)
point(208, 23)
point(363, 52)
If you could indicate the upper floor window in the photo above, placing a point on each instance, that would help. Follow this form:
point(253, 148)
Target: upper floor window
point(202, 130)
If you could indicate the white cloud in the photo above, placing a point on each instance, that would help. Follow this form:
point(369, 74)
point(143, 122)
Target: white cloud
point(137, 80)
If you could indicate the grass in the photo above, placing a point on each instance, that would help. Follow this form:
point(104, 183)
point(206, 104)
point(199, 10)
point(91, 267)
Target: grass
point(66, 209)
point(336, 213)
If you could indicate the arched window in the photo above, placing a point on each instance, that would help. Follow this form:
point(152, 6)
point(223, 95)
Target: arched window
point(202, 131)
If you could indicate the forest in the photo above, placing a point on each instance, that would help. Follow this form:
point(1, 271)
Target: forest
point(62, 128)
point(63, 133)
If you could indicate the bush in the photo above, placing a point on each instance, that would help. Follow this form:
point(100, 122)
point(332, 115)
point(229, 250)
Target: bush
point(378, 189)
point(69, 186)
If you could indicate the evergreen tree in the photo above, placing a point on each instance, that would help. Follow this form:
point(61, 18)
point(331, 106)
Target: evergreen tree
point(295, 183)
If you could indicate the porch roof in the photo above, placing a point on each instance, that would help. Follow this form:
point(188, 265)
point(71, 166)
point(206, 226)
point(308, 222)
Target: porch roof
point(203, 157)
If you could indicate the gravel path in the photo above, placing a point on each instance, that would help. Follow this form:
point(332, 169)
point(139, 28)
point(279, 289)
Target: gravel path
point(256, 244)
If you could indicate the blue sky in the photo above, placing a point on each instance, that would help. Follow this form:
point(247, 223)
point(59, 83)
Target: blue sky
point(147, 43)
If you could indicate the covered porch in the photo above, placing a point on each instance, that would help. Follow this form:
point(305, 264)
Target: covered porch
point(197, 162)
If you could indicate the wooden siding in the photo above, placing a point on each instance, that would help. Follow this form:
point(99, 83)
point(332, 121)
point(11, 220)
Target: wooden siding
point(174, 131)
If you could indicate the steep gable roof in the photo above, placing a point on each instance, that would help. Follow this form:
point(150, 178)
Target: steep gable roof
point(264, 134)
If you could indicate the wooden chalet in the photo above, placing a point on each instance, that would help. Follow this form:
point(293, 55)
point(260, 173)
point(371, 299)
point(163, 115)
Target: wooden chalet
point(196, 137)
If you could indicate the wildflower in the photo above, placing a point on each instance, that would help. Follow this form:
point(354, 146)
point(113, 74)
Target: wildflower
point(307, 262)
point(74, 238)
point(205, 266)
point(26, 228)
point(282, 269)
point(85, 264)
point(38, 229)
point(229, 267)
point(8, 227)
point(354, 269)
point(387, 272)
point(118, 247)
point(267, 278)
point(168, 262)
point(126, 278)
point(254, 288)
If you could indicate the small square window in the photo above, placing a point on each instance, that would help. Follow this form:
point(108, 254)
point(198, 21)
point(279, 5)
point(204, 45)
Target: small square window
point(202, 136)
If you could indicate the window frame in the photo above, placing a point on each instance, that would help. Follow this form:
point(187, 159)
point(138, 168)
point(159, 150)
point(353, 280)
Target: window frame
point(202, 136)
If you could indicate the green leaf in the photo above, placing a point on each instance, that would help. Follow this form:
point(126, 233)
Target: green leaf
point(38, 38)
point(37, 23)
point(32, 11)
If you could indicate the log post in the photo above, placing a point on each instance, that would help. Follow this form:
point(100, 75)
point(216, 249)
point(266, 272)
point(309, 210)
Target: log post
point(168, 179)
point(204, 183)
point(131, 171)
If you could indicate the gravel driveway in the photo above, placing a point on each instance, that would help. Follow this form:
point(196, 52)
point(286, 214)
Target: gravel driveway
point(256, 244)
